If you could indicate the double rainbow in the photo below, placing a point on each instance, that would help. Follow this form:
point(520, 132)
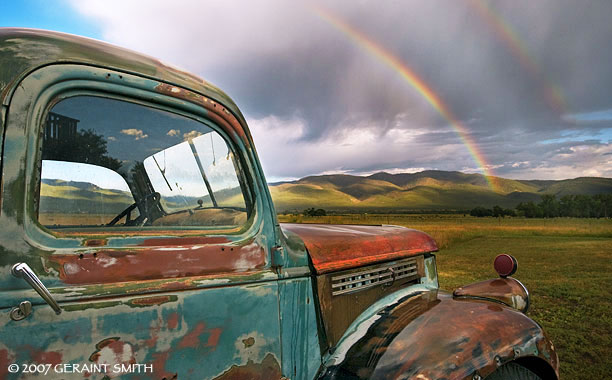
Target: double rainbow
point(417, 83)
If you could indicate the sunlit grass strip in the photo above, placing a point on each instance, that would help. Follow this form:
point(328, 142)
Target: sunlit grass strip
point(448, 229)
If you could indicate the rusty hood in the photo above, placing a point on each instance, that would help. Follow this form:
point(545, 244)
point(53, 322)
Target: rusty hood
point(338, 247)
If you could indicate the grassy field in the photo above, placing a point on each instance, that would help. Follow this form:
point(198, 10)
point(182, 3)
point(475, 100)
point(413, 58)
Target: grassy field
point(565, 263)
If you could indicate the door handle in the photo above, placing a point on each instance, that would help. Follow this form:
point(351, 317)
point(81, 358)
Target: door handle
point(22, 270)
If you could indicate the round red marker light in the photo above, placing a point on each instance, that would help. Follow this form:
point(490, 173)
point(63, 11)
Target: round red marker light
point(505, 265)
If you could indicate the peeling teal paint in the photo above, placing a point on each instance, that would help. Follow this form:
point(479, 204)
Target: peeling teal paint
point(300, 339)
point(200, 332)
point(295, 255)
point(431, 274)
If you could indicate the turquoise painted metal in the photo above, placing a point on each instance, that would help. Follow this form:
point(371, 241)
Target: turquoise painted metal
point(189, 302)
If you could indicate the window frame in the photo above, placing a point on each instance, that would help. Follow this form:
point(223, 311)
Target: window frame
point(129, 229)
point(85, 80)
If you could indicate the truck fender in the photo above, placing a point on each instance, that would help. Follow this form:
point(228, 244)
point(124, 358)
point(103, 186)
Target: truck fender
point(426, 334)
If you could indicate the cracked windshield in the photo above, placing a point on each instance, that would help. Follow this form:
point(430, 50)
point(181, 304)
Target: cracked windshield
point(107, 162)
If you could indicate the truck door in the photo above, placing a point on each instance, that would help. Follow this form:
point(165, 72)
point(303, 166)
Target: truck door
point(141, 219)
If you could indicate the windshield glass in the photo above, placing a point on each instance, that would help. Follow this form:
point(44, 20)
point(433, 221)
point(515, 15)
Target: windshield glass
point(192, 174)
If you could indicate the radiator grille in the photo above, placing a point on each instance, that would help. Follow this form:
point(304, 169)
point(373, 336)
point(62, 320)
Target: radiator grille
point(369, 277)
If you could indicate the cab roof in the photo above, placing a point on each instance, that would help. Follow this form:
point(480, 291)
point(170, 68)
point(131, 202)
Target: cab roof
point(24, 50)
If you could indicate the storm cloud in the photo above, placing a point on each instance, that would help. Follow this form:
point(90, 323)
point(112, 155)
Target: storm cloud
point(530, 81)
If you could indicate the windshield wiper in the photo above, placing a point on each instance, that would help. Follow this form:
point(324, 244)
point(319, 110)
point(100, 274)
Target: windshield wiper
point(163, 173)
point(197, 158)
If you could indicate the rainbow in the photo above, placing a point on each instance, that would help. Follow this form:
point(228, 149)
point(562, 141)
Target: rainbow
point(552, 93)
point(417, 83)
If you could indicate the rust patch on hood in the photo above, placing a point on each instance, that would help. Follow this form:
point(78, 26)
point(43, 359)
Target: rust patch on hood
point(337, 247)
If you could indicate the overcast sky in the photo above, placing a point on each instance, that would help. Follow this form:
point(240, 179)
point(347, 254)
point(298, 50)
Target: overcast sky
point(324, 87)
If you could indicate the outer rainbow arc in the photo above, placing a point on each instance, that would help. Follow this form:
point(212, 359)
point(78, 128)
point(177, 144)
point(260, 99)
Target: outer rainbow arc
point(418, 84)
point(552, 93)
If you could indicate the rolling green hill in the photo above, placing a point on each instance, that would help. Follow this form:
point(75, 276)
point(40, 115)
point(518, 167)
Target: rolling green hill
point(432, 190)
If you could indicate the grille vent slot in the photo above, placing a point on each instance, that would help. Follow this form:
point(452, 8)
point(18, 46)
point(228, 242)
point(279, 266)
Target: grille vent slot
point(369, 277)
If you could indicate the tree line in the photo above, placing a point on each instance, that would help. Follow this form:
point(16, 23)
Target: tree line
point(576, 206)
point(314, 212)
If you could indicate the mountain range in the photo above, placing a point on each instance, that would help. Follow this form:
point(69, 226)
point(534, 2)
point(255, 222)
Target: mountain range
point(431, 190)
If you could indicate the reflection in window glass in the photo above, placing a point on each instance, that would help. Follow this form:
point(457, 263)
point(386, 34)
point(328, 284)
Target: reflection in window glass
point(93, 194)
point(187, 173)
point(113, 163)
point(218, 163)
point(174, 173)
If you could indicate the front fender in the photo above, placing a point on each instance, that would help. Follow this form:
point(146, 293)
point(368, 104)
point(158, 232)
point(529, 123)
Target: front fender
point(429, 335)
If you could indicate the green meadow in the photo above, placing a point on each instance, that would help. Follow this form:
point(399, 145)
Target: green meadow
point(565, 263)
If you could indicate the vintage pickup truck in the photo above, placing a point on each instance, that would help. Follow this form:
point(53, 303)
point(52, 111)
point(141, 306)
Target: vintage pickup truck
point(138, 239)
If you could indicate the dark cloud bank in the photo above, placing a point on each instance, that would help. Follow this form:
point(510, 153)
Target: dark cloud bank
point(311, 93)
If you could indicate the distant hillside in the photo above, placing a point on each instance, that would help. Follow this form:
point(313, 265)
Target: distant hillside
point(427, 190)
point(430, 190)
